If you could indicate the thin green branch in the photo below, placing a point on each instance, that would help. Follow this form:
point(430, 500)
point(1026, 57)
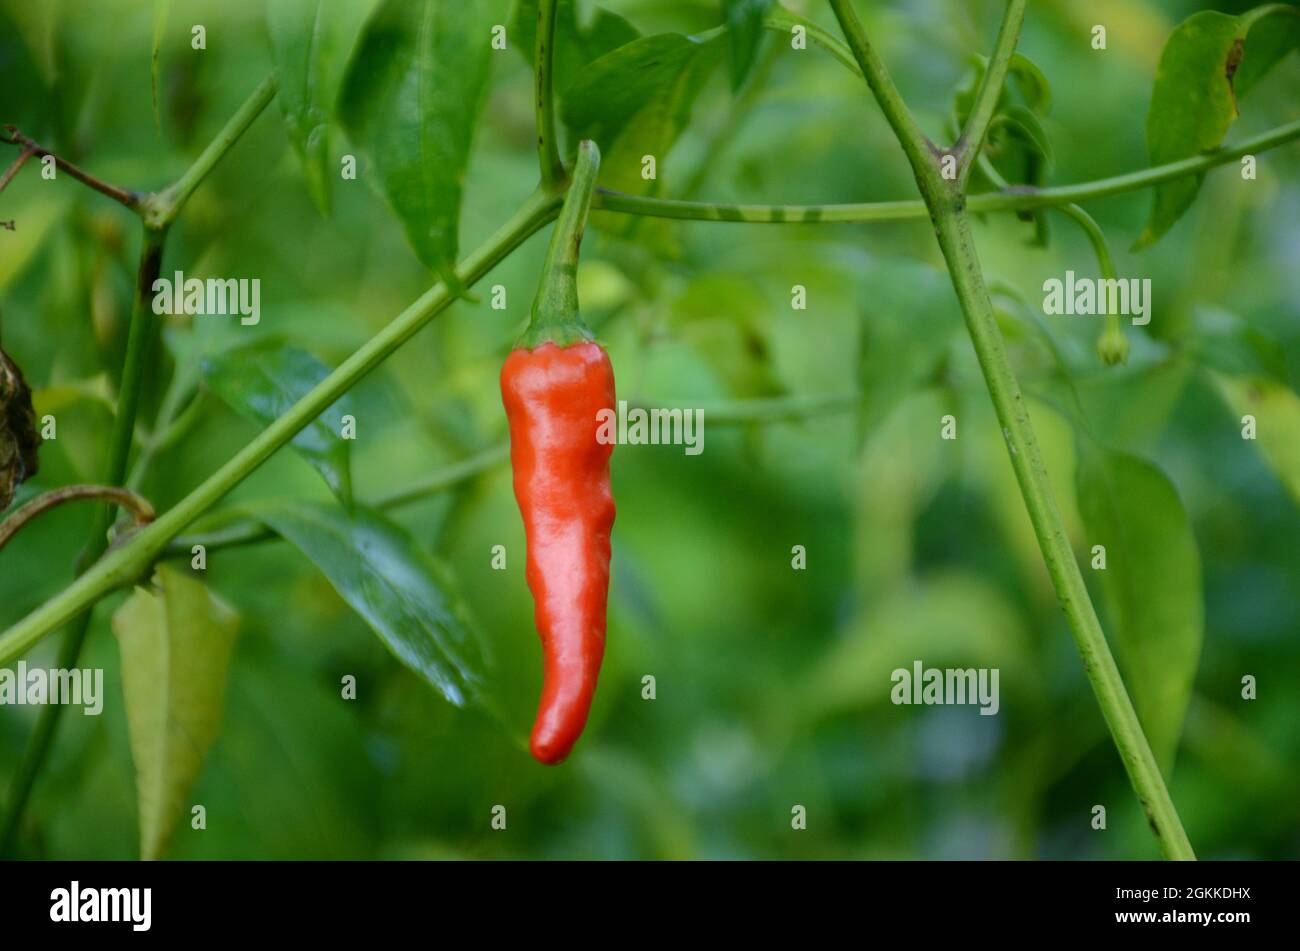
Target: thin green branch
point(445, 478)
point(548, 148)
point(161, 209)
point(237, 534)
point(132, 559)
point(1016, 198)
point(1096, 237)
point(1112, 345)
point(986, 100)
point(138, 506)
point(248, 531)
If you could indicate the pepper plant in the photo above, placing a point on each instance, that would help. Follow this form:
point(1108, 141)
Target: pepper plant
point(391, 93)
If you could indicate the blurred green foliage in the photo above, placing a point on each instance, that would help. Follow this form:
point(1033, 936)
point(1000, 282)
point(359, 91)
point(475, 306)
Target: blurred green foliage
point(772, 683)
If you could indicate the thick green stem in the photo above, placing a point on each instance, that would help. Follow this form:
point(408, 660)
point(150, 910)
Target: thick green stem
point(548, 149)
point(128, 563)
point(947, 206)
point(963, 263)
point(555, 317)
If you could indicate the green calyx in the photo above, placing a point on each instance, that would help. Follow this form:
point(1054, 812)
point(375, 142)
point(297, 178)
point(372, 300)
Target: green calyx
point(555, 317)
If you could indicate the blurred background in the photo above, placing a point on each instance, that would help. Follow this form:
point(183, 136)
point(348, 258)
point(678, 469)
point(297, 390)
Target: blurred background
point(772, 684)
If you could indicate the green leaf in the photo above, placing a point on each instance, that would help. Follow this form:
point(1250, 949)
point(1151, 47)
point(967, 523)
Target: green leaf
point(1032, 83)
point(1017, 145)
point(1028, 79)
point(396, 587)
point(1276, 409)
point(1020, 122)
point(1267, 45)
point(261, 382)
point(410, 101)
point(1151, 584)
point(576, 43)
point(637, 100)
point(1193, 100)
point(744, 19)
point(310, 42)
point(784, 21)
point(1192, 106)
point(176, 639)
point(1020, 152)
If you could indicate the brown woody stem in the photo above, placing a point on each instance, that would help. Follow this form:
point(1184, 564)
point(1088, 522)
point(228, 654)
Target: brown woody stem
point(31, 147)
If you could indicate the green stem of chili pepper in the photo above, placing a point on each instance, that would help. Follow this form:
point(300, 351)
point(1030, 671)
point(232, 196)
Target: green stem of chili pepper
point(555, 310)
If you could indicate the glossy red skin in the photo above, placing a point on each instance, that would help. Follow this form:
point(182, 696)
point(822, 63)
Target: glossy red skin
point(561, 472)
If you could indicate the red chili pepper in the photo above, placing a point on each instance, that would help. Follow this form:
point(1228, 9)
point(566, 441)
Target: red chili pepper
point(552, 395)
point(554, 384)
